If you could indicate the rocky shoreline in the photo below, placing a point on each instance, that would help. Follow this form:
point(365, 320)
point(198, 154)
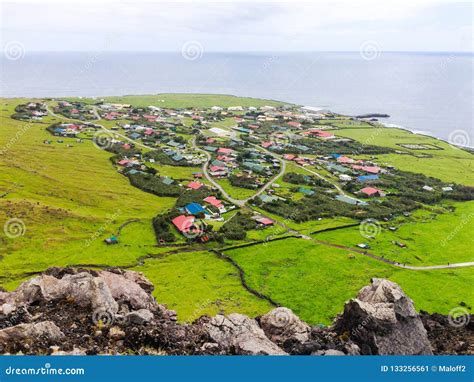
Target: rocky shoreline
point(85, 312)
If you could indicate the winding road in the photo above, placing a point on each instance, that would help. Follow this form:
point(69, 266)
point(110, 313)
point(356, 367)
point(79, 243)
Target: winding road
point(243, 202)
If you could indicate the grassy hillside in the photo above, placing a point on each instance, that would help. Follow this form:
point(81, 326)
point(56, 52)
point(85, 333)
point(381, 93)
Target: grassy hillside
point(71, 198)
point(449, 164)
point(177, 100)
point(315, 280)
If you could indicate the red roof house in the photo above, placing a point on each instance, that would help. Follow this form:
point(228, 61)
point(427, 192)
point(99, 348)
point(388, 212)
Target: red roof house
point(294, 124)
point(213, 201)
point(371, 169)
point(194, 185)
point(289, 156)
point(344, 159)
point(185, 224)
point(371, 191)
point(265, 221)
point(266, 144)
point(224, 150)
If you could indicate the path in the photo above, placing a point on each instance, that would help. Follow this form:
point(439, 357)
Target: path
point(242, 202)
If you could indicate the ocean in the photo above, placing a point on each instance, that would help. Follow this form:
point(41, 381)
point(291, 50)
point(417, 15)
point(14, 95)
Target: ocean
point(429, 93)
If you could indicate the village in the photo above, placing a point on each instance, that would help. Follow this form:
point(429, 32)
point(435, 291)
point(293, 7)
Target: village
point(238, 168)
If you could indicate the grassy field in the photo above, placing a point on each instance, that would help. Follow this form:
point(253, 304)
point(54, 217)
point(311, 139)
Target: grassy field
point(315, 280)
point(71, 198)
point(449, 164)
point(176, 100)
point(432, 239)
point(235, 192)
point(198, 283)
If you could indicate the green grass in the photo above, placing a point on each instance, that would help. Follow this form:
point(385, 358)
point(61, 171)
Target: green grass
point(198, 283)
point(316, 280)
point(235, 192)
point(433, 239)
point(449, 164)
point(176, 100)
point(70, 199)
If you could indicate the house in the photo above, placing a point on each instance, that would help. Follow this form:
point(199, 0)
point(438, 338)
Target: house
point(195, 209)
point(211, 149)
point(345, 178)
point(123, 162)
point(184, 223)
point(306, 191)
point(446, 189)
point(213, 201)
point(217, 168)
point(224, 150)
point(265, 221)
point(427, 188)
point(194, 185)
point(371, 169)
point(253, 166)
point(349, 200)
point(294, 124)
point(289, 156)
point(367, 178)
point(371, 191)
point(168, 181)
point(345, 160)
point(337, 168)
point(267, 198)
point(266, 144)
point(198, 175)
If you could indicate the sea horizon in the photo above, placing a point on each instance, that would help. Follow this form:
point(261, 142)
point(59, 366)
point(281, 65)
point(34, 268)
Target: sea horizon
point(419, 89)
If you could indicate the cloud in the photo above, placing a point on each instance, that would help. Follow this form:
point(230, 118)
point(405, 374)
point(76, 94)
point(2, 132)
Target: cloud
point(237, 25)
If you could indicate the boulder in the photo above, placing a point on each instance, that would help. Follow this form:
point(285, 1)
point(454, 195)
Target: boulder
point(24, 335)
point(282, 325)
point(240, 334)
point(126, 290)
point(140, 317)
point(383, 320)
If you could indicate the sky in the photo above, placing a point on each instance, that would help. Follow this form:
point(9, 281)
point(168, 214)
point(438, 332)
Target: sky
point(387, 25)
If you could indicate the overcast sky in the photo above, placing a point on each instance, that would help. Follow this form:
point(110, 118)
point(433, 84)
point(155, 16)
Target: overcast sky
point(415, 25)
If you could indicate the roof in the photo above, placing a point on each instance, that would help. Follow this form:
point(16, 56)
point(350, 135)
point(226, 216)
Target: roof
point(370, 190)
point(195, 185)
point(210, 148)
point(224, 150)
point(213, 201)
point(265, 221)
point(166, 180)
point(349, 200)
point(371, 169)
point(194, 209)
point(366, 178)
point(344, 159)
point(183, 223)
point(217, 168)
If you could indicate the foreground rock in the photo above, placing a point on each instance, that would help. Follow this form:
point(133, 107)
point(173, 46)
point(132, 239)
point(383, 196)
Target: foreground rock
point(383, 320)
point(76, 311)
point(239, 334)
point(284, 328)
